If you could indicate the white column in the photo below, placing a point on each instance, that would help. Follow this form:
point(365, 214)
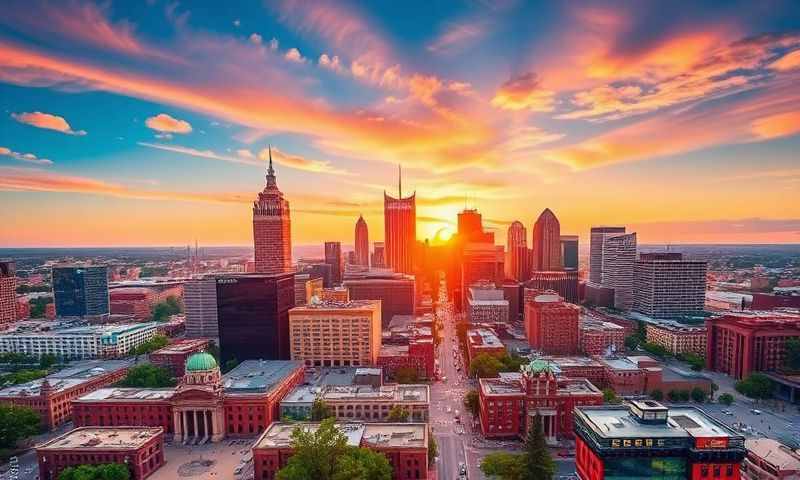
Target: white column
point(176, 426)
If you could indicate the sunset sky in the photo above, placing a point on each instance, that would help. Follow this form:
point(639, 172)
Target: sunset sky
point(146, 122)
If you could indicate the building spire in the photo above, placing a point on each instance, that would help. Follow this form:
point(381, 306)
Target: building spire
point(270, 171)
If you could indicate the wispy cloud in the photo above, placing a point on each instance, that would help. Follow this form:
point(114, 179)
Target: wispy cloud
point(24, 157)
point(457, 36)
point(166, 123)
point(46, 121)
point(524, 92)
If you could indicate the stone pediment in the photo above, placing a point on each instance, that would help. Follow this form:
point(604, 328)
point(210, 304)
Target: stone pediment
point(185, 394)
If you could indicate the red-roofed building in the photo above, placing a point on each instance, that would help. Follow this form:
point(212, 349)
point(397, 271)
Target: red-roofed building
point(173, 357)
point(483, 340)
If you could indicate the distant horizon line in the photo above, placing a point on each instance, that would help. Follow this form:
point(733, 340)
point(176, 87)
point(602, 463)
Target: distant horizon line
point(321, 244)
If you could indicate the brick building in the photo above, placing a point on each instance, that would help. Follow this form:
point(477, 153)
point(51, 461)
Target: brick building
point(508, 404)
point(139, 301)
point(487, 304)
point(483, 340)
point(141, 449)
point(173, 357)
point(564, 283)
point(678, 338)
point(51, 397)
point(272, 236)
point(418, 354)
point(739, 344)
point(768, 459)
point(8, 292)
point(551, 325)
point(397, 292)
point(204, 405)
point(598, 337)
point(771, 301)
point(405, 445)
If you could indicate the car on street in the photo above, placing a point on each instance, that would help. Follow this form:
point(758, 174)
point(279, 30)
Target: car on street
point(755, 411)
point(449, 409)
point(462, 468)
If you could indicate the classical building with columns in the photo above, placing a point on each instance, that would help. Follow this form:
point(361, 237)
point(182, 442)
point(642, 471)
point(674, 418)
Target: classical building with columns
point(205, 406)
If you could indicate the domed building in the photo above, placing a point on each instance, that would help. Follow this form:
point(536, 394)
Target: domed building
point(198, 410)
point(204, 406)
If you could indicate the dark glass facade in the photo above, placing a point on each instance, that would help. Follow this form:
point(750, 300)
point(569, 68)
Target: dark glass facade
point(80, 291)
point(643, 468)
point(333, 257)
point(253, 315)
point(569, 251)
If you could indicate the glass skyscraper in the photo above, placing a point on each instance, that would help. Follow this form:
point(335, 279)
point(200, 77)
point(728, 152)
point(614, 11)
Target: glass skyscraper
point(81, 291)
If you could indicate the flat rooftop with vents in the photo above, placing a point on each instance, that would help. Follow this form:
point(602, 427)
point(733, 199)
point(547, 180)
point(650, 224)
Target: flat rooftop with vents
point(258, 376)
point(102, 438)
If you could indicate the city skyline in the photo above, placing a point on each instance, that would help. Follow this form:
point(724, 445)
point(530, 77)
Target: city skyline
point(145, 125)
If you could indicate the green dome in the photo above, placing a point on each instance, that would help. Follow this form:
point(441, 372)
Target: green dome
point(201, 361)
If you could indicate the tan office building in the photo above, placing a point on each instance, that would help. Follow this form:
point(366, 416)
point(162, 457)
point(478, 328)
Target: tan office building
point(334, 334)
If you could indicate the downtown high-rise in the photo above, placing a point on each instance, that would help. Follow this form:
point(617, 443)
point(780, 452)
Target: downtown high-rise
point(272, 239)
point(667, 285)
point(80, 291)
point(333, 257)
point(547, 243)
point(617, 267)
point(597, 238)
point(8, 292)
point(362, 242)
point(400, 230)
point(517, 265)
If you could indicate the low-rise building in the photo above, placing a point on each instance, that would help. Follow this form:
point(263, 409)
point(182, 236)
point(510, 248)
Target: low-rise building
point(551, 324)
point(486, 304)
point(79, 342)
point(508, 404)
point(418, 354)
point(598, 337)
point(334, 294)
point(769, 459)
point(173, 357)
point(405, 445)
point(358, 402)
point(204, 405)
point(647, 440)
point(333, 334)
point(678, 338)
point(141, 449)
point(483, 340)
point(51, 397)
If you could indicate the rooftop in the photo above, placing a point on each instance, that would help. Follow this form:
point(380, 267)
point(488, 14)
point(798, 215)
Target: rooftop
point(182, 346)
point(71, 376)
point(103, 438)
point(126, 394)
point(483, 337)
point(774, 453)
point(69, 329)
point(380, 435)
point(616, 421)
point(337, 305)
point(389, 393)
point(258, 376)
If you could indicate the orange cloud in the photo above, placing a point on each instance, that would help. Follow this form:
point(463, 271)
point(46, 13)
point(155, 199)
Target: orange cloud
point(789, 61)
point(301, 163)
point(165, 123)
point(46, 121)
point(775, 126)
point(523, 92)
point(24, 157)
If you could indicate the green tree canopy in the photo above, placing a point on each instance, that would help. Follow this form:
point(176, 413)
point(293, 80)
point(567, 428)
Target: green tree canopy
point(47, 360)
point(324, 455)
point(757, 385)
point(726, 399)
point(538, 462)
point(150, 346)
point(22, 376)
point(148, 376)
point(398, 414)
point(163, 310)
point(792, 358)
point(695, 361)
point(698, 395)
point(17, 423)
point(656, 349)
point(433, 449)
point(320, 410)
point(505, 466)
point(106, 471)
point(472, 402)
point(485, 366)
point(657, 395)
point(610, 396)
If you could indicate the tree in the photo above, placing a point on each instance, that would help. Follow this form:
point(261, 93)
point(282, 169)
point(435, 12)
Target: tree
point(47, 360)
point(155, 343)
point(398, 414)
point(792, 358)
point(657, 395)
point(698, 395)
point(39, 306)
point(714, 388)
point(726, 399)
point(610, 396)
point(632, 341)
point(406, 375)
point(363, 464)
point(323, 454)
point(695, 361)
point(229, 365)
point(433, 449)
point(472, 402)
point(213, 350)
point(673, 396)
point(163, 310)
point(684, 395)
point(505, 466)
point(656, 349)
point(148, 376)
point(539, 465)
point(17, 423)
point(22, 376)
point(757, 386)
point(320, 410)
point(511, 363)
point(485, 366)
point(107, 471)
